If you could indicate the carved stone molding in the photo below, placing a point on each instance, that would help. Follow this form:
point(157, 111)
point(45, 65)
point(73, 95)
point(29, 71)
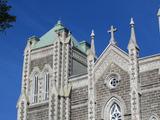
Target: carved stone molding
point(150, 66)
point(36, 54)
point(111, 57)
point(78, 82)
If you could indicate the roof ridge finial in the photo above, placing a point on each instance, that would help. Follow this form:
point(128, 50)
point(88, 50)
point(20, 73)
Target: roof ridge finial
point(111, 31)
point(59, 22)
point(92, 42)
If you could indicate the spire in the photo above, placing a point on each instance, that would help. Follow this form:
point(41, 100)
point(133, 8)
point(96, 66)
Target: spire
point(112, 39)
point(133, 40)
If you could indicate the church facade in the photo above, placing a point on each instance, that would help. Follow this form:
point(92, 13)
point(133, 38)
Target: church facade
point(64, 80)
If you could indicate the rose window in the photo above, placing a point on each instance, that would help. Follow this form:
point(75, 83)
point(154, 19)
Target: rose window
point(112, 80)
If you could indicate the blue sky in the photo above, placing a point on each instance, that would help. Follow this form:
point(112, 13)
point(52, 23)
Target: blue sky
point(35, 17)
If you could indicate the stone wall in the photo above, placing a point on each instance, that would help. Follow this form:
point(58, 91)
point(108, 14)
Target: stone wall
point(150, 79)
point(39, 112)
point(103, 93)
point(150, 98)
point(79, 98)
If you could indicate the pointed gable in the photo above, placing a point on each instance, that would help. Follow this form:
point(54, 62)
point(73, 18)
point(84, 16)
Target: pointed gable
point(112, 54)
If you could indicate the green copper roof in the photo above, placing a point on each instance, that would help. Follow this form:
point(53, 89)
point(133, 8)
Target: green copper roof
point(51, 36)
point(46, 39)
point(158, 14)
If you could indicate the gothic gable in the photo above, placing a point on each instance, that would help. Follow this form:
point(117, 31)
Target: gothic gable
point(112, 54)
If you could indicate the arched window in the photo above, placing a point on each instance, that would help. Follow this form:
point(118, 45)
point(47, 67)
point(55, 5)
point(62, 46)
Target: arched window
point(115, 112)
point(35, 89)
point(46, 86)
point(154, 117)
point(114, 109)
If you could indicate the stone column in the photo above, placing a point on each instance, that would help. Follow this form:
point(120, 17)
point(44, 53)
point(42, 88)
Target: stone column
point(61, 70)
point(23, 100)
point(134, 74)
point(91, 80)
point(22, 107)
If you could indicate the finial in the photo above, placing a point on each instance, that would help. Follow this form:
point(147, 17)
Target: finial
point(133, 40)
point(92, 34)
point(59, 22)
point(132, 22)
point(92, 43)
point(111, 31)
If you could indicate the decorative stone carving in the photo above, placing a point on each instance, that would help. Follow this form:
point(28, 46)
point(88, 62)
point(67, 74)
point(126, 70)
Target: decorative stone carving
point(91, 86)
point(22, 107)
point(111, 57)
point(150, 66)
point(112, 80)
point(40, 53)
point(154, 117)
point(78, 82)
point(105, 115)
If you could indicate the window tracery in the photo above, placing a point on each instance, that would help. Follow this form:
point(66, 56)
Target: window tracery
point(115, 112)
point(112, 80)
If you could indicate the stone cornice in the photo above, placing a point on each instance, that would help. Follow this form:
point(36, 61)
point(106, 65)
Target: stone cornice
point(149, 58)
point(79, 105)
point(78, 81)
point(150, 65)
point(150, 90)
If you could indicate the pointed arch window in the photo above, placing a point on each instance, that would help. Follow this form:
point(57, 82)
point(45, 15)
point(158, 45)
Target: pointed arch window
point(35, 88)
point(154, 117)
point(115, 112)
point(46, 86)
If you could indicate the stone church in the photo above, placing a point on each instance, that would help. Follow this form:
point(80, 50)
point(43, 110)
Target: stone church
point(64, 80)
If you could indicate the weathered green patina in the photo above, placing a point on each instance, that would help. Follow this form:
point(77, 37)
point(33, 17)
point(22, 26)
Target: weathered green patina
point(51, 36)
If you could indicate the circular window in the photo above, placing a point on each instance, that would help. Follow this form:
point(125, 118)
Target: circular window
point(112, 80)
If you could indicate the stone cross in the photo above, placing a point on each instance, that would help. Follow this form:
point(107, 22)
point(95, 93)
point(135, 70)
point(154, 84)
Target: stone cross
point(111, 31)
